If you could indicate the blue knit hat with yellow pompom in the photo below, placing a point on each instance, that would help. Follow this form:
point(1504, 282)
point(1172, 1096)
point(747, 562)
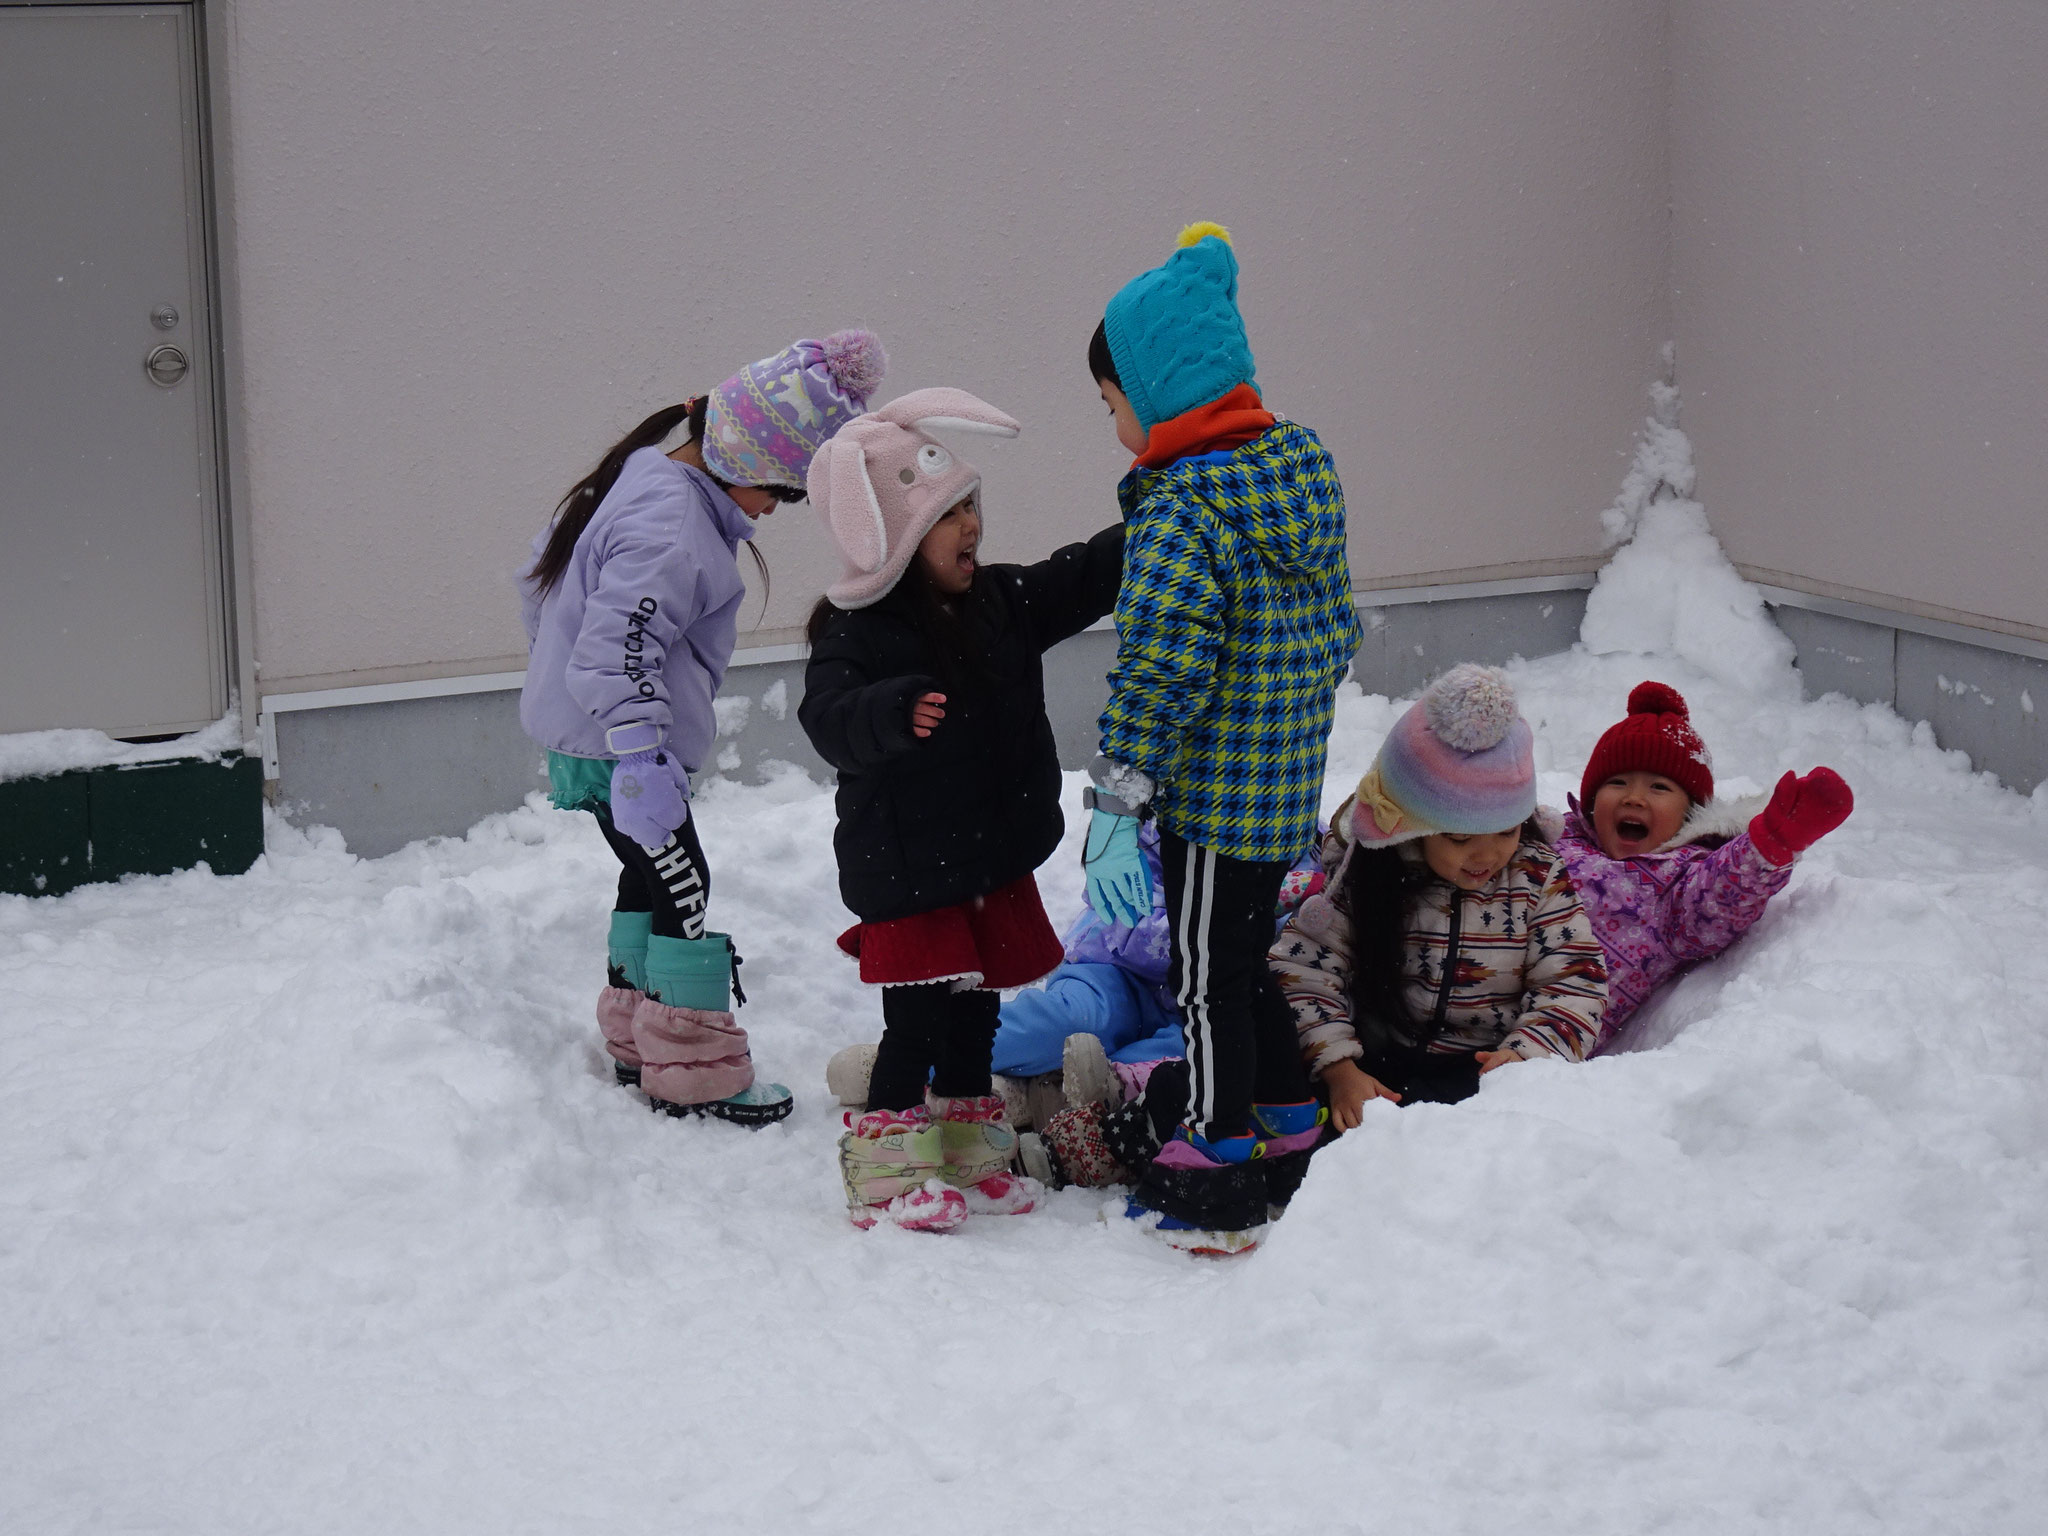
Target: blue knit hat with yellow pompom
point(1175, 334)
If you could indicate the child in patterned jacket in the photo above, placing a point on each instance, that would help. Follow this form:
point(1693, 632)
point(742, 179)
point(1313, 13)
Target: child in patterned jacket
point(1449, 941)
point(1669, 875)
point(1234, 626)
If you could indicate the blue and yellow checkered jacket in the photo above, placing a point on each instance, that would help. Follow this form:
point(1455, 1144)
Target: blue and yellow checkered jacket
point(1234, 626)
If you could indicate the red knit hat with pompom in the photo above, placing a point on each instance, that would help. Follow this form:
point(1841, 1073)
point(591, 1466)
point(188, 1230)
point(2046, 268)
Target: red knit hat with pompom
point(1657, 737)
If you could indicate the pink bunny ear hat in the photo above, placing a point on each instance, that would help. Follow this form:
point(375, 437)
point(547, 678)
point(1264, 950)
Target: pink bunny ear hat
point(882, 481)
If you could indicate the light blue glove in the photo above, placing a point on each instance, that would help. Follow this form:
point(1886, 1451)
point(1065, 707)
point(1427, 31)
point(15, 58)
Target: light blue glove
point(647, 786)
point(1119, 889)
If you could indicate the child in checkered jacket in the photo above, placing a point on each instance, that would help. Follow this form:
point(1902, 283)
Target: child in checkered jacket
point(1447, 942)
point(1234, 626)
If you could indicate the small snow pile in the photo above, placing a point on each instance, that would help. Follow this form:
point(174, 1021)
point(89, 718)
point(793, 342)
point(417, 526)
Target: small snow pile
point(1670, 589)
point(38, 754)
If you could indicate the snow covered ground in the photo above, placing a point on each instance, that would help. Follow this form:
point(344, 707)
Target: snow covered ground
point(321, 1213)
point(319, 1210)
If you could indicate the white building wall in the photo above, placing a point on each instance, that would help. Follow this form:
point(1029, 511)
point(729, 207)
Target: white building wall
point(1860, 296)
point(468, 246)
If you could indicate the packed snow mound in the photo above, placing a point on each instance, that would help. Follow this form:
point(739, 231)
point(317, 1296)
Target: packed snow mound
point(320, 1212)
point(1670, 590)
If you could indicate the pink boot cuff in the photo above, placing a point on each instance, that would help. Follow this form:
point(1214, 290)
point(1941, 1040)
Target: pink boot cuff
point(615, 1009)
point(688, 1056)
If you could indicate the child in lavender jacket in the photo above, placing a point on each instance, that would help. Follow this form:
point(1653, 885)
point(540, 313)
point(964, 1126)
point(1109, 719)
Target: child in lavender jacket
point(1669, 876)
point(631, 611)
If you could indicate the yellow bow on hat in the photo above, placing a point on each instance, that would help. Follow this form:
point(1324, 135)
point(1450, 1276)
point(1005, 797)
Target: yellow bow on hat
point(1376, 816)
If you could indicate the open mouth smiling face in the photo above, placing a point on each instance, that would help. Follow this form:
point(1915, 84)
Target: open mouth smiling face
point(1636, 812)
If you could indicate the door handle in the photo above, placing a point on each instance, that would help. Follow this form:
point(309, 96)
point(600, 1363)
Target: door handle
point(166, 366)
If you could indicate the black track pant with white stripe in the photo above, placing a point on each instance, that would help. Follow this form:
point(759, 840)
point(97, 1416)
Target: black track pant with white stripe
point(673, 883)
point(1220, 917)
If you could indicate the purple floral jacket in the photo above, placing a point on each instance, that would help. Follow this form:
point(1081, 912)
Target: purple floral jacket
point(1659, 914)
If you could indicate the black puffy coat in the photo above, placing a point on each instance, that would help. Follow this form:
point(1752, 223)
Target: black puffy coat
point(928, 823)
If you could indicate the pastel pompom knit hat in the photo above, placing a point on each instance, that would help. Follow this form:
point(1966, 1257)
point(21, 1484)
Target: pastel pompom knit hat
point(883, 481)
point(764, 423)
point(1175, 334)
point(1461, 759)
point(1657, 737)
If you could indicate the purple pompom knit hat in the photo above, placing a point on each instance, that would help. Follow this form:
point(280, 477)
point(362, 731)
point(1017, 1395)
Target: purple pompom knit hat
point(763, 424)
point(1460, 760)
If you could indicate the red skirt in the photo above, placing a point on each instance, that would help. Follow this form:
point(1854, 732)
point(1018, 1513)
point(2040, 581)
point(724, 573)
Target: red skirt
point(996, 942)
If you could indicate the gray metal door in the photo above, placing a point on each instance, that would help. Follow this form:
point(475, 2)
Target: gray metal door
point(112, 598)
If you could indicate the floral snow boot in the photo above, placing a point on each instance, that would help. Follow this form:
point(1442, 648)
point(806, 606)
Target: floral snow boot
point(626, 967)
point(891, 1162)
point(978, 1146)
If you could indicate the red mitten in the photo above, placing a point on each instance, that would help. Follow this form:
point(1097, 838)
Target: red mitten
point(1801, 813)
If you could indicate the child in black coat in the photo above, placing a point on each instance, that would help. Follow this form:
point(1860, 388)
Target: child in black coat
point(926, 691)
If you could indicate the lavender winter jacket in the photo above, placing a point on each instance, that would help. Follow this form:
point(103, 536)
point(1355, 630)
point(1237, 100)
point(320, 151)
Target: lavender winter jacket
point(1660, 913)
point(642, 623)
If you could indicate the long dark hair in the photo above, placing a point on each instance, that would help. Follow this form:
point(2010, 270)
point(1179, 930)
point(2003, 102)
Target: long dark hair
point(949, 626)
point(574, 511)
point(1379, 884)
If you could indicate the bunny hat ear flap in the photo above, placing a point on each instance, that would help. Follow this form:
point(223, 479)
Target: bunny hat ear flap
point(852, 515)
point(948, 410)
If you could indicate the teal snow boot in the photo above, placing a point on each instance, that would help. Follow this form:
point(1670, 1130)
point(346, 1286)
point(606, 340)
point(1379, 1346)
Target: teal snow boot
point(694, 1057)
point(626, 965)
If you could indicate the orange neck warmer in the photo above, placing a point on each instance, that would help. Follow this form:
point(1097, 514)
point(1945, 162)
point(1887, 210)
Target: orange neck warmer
point(1229, 421)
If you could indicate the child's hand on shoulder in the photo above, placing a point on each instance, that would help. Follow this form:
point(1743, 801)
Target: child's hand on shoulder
point(1351, 1089)
point(926, 711)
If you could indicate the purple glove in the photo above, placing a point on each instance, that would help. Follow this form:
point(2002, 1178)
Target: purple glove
point(647, 786)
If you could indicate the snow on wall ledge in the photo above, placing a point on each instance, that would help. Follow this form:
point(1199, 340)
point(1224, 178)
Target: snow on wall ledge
point(38, 754)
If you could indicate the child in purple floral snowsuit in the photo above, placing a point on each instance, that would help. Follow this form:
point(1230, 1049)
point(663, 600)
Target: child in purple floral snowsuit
point(1668, 875)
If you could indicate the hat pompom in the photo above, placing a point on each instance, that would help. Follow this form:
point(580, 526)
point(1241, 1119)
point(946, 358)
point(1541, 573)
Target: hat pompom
point(856, 361)
point(1200, 230)
point(1657, 699)
point(1471, 707)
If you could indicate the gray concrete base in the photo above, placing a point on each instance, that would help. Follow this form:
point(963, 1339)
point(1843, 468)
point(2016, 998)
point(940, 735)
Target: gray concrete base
point(1988, 702)
point(385, 774)
point(1406, 645)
